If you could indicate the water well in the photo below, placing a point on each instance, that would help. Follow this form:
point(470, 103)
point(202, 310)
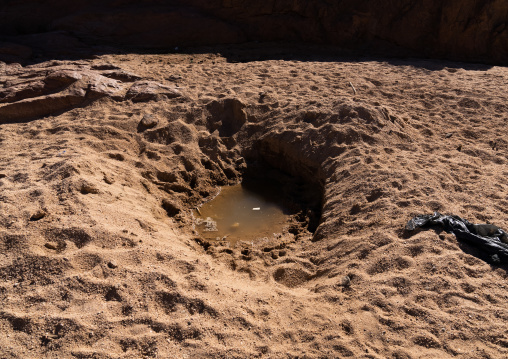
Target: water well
point(267, 205)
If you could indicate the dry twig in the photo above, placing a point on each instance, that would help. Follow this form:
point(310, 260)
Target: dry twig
point(354, 90)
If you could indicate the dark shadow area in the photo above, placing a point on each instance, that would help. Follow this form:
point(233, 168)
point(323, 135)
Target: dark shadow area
point(260, 51)
point(307, 52)
point(294, 194)
point(475, 31)
point(478, 253)
point(271, 190)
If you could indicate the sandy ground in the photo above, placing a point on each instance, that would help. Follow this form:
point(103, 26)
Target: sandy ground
point(99, 259)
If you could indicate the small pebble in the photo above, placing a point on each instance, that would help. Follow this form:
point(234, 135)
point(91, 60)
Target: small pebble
point(149, 121)
point(51, 245)
point(345, 281)
point(39, 214)
point(87, 188)
point(108, 179)
point(112, 264)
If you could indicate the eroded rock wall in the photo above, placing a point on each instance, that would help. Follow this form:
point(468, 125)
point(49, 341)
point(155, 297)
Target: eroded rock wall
point(470, 30)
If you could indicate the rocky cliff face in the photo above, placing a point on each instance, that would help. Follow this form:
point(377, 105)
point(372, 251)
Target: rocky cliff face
point(470, 30)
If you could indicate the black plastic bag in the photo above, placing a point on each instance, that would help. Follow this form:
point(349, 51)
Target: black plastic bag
point(488, 237)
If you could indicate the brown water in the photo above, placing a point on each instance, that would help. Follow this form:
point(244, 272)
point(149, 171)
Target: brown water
point(243, 213)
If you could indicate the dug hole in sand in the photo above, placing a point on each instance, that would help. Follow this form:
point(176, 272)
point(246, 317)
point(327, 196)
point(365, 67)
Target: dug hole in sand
point(104, 161)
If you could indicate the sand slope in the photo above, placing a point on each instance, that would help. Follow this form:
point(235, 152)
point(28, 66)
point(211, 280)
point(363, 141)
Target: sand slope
point(98, 258)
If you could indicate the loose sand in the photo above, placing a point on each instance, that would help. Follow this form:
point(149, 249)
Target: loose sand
point(99, 259)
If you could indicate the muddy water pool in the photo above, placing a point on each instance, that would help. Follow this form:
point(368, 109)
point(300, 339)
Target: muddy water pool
point(243, 212)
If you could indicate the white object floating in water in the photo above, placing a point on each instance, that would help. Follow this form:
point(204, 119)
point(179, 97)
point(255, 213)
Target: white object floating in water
point(256, 209)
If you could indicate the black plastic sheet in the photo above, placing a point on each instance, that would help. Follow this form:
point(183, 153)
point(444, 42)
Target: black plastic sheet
point(488, 237)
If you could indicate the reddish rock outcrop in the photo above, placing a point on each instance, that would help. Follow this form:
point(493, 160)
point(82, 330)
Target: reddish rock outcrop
point(142, 91)
point(472, 30)
point(46, 91)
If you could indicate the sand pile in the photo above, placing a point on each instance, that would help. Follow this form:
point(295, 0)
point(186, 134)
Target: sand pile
point(103, 160)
